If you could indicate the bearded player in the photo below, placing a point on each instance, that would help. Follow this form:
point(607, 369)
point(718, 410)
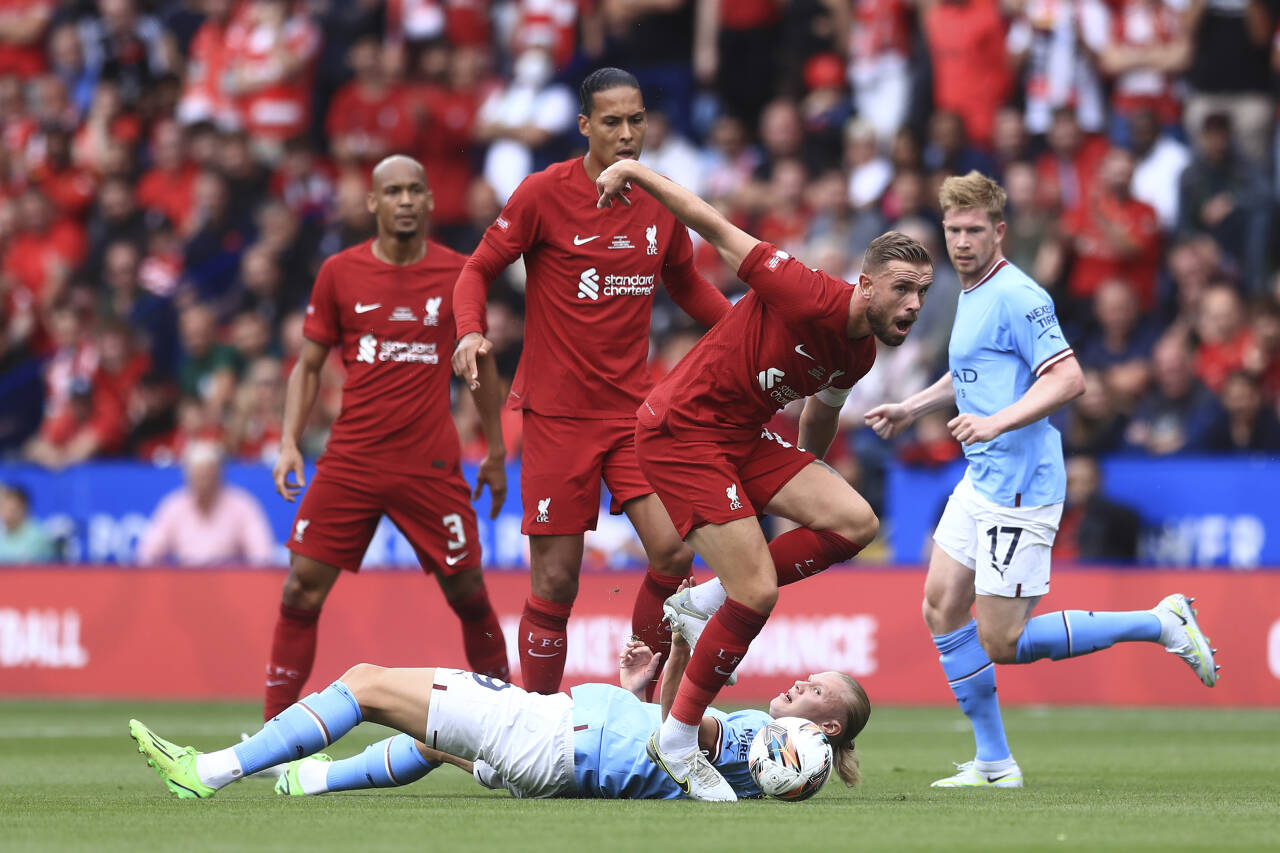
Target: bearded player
point(589, 297)
point(388, 305)
point(702, 441)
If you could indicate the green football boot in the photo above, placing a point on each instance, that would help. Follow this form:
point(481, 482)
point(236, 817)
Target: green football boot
point(175, 764)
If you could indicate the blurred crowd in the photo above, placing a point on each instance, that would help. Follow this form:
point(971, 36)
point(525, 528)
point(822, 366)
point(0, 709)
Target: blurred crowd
point(174, 172)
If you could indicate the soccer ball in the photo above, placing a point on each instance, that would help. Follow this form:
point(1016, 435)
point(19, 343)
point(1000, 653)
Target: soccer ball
point(790, 759)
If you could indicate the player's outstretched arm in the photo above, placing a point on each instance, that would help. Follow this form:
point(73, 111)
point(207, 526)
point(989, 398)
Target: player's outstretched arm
point(299, 398)
point(731, 242)
point(1056, 387)
point(889, 419)
point(493, 468)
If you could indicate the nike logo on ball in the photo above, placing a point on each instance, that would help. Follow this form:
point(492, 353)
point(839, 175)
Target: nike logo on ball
point(363, 309)
point(578, 241)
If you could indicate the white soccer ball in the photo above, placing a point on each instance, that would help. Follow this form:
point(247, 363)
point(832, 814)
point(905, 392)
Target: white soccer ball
point(790, 759)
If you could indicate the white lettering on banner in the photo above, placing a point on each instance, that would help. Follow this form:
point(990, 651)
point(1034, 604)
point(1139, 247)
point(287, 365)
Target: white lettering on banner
point(1206, 540)
point(112, 539)
point(1273, 649)
point(788, 645)
point(46, 639)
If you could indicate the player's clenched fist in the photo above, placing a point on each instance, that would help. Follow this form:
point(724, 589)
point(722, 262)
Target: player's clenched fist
point(970, 429)
point(289, 462)
point(612, 184)
point(472, 345)
point(889, 419)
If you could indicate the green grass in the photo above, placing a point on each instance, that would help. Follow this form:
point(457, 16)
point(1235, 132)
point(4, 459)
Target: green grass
point(70, 779)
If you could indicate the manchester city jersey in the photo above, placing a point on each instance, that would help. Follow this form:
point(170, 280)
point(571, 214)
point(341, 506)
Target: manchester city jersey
point(1006, 334)
point(611, 728)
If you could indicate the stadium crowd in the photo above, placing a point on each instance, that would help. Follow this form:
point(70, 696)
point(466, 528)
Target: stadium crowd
point(174, 172)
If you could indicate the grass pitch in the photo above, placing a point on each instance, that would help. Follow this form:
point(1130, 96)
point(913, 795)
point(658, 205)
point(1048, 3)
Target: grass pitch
point(71, 779)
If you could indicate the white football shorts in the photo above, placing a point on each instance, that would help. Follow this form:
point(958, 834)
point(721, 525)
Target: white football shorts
point(1007, 547)
point(518, 740)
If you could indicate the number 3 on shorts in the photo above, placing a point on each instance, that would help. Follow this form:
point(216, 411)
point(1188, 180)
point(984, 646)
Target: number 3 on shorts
point(1014, 534)
point(458, 536)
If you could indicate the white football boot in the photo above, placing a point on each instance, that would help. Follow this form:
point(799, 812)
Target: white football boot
point(1181, 636)
point(688, 621)
point(693, 774)
point(971, 777)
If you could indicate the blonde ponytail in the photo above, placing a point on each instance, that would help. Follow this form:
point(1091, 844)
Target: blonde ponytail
point(857, 712)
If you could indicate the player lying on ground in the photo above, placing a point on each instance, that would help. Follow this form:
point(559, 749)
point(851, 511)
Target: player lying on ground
point(587, 743)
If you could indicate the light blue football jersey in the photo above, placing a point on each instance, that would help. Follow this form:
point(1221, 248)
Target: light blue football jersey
point(1006, 332)
point(611, 728)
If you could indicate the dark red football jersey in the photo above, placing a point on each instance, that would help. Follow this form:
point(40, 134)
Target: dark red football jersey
point(784, 340)
point(591, 276)
point(395, 328)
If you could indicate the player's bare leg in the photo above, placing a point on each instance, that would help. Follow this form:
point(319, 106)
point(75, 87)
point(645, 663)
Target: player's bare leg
point(482, 639)
point(670, 561)
point(293, 644)
point(1001, 622)
point(835, 524)
point(554, 565)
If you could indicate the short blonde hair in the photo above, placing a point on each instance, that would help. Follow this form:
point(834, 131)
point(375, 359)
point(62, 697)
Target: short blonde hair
point(857, 712)
point(974, 190)
point(895, 246)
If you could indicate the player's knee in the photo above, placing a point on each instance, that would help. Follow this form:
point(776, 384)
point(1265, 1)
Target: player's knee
point(555, 583)
point(362, 680)
point(307, 585)
point(760, 593)
point(861, 527)
point(675, 558)
point(999, 647)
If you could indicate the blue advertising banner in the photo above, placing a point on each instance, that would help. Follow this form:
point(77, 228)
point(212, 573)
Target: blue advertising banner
point(1196, 511)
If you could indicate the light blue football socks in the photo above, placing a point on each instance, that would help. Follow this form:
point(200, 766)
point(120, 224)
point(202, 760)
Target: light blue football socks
point(972, 678)
point(1071, 633)
point(385, 764)
point(305, 727)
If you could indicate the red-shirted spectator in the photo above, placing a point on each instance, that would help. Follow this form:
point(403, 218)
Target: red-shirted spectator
point(22, 28)
point(460, 22)
point(168, 187)
point(551, 24)
point(69, 188)
point(1223, 336)
point(1065, 174)
point(204, 97)
point(370, 117)
point(879, 47)
point(257, 424)
point(121, 365)
point(1262, 352)
point(1148, 48)
point(44, 251)
point(107, 122)
point(1114, 235)
point(970, 74)
point(787, 217)
point(16, 126)
point(449, 116)
point(271, 60)
point(303, 181)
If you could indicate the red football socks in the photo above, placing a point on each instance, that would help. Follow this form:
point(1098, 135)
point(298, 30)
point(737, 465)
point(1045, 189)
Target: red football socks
point(543, 644)
point(721, 648)
point(800, 553)
point(293, 651)
point(646, 619)
point(486, 648)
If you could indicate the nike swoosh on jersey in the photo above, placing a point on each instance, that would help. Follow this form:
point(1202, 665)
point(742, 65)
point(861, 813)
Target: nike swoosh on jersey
point(363, 309)
point(453, 561)
point(578, 241)
point(800, 349)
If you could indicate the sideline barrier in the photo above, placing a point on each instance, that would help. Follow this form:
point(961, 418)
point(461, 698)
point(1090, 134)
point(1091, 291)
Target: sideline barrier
point(173, 634)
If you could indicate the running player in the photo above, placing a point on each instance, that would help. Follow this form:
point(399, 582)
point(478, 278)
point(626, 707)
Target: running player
point(589, 743)
point(1011, 368)
point(702, 441)
point(387, 303)
point(589, 298)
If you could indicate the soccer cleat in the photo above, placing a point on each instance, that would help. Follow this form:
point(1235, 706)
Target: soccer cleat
point(971, 777)
point(693, 774)
point(1181, 635)
point(689, 622)
point(288, 783)
point(175, 764)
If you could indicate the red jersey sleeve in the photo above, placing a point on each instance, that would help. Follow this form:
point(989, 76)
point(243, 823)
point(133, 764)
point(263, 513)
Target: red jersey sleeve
point(321, 324)
point(689, 289)
point(516, 229)
point(797, 293)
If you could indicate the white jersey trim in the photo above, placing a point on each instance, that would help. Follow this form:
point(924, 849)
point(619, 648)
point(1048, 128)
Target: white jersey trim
point(1054, 359)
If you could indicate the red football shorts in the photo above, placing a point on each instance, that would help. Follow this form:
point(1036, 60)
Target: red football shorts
point(715, 482)
point(342, 506)
point(563, 462)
